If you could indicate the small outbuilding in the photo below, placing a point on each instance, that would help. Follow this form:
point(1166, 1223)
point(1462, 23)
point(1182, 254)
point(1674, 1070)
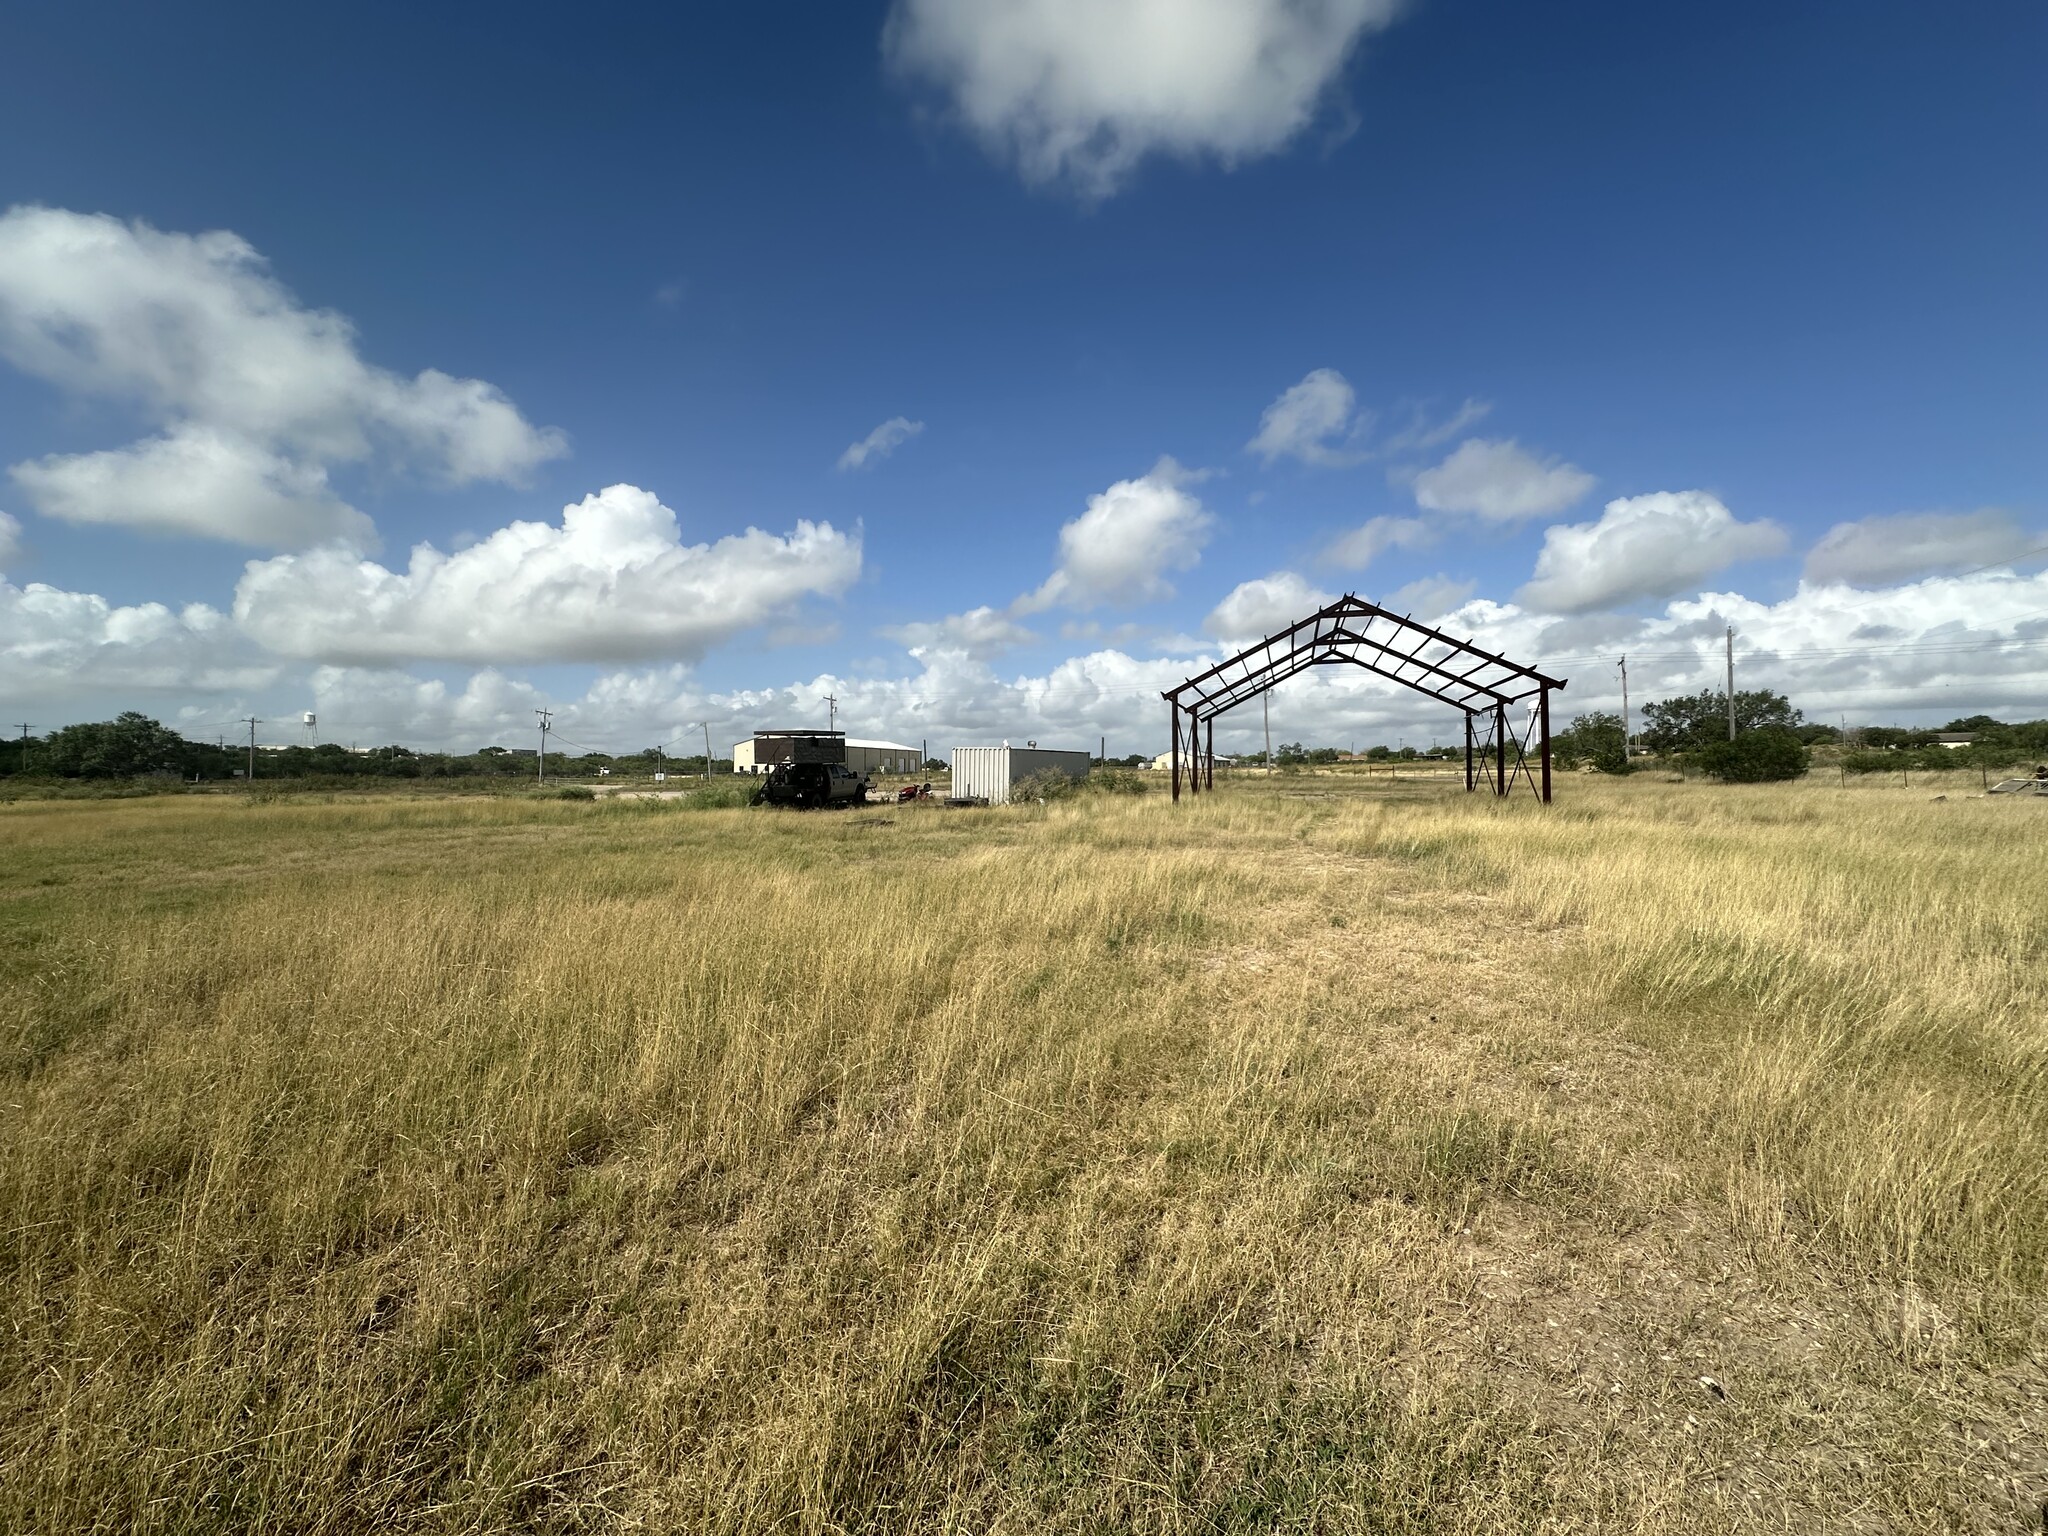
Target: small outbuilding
point(988, 773)
point(1955, 740)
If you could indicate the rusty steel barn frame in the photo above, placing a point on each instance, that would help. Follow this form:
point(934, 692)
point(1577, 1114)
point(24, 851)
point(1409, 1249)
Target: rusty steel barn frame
point(1356, 633)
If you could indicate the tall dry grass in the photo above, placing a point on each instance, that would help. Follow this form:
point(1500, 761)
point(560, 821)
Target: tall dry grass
point(493, 1166)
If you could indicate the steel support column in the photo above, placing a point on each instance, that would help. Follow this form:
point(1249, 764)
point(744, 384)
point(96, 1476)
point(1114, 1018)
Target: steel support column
point(1469, 784)
point(1500, 749)
point(1543, 730)
point(1173, 718)
point(1209, 765)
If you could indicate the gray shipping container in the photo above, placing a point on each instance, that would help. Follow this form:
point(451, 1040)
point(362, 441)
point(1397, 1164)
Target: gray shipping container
point(986, 773)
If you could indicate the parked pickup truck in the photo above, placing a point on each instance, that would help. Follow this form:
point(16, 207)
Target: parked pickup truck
point(810, 785)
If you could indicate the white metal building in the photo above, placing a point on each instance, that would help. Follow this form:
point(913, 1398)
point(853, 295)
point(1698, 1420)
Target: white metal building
point(862, 756)
point(986, 773)
point(882, 757)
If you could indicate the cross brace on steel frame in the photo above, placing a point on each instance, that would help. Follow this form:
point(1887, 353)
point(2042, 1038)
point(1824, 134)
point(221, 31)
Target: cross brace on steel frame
point(1354, 632)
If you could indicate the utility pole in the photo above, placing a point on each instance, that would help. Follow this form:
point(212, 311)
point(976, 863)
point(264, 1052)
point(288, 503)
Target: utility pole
point(547, 719)
point(1731, 682)
point(252, 722)
point(1266, 708)
point(24, 746)
point(707, 751)
point(1624, 709)
point(831, 712)
point(1102, 750)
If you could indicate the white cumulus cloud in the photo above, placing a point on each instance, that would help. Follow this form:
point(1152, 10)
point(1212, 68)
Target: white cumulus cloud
point(1937, 649)
point(613, 582)
point(1356, 550)
point(75, 646)
point(255, 395)
point(1255, 609)
point(880, 443)
point(982, 631)
point(1657, 545)
point(1316, 421)
point(1430, 598)
point(1081, 91)
point(197, 479)
point(1879, 550)
point(1500, 481)
point(10, 541)
point(1121, 548)
point(1924, 652)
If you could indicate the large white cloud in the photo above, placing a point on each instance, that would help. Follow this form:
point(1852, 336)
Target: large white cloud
point(76, 647)
point(1644, 546)
point(1931, 651)
point(1122, 547)
point(1925, 652)
point(1500, 481)
point(1081, 91)
point(10, 541)
point(614, 582)
point(1878, 550)
point(255, 394)
point(197, 479)
point(1255, 609)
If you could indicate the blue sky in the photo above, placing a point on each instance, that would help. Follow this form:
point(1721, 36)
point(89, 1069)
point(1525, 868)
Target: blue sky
point(1604, 328)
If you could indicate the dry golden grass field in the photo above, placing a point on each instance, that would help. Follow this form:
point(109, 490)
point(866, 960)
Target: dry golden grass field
point(1319, 1156)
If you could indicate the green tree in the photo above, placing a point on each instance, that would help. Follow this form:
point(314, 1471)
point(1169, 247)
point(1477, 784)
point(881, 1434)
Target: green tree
point(120, 748)
point(1757, 757)
point(21, 754)
point(1698, 720)
point(1594, 738)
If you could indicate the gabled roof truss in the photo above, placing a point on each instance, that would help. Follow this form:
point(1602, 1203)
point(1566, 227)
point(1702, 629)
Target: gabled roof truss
point(1353, 632)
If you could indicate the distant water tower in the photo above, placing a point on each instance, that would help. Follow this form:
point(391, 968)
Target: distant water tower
point(311, 722)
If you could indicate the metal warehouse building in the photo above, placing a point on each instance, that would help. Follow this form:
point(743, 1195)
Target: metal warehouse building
point(861, 756)
point(986, 773)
